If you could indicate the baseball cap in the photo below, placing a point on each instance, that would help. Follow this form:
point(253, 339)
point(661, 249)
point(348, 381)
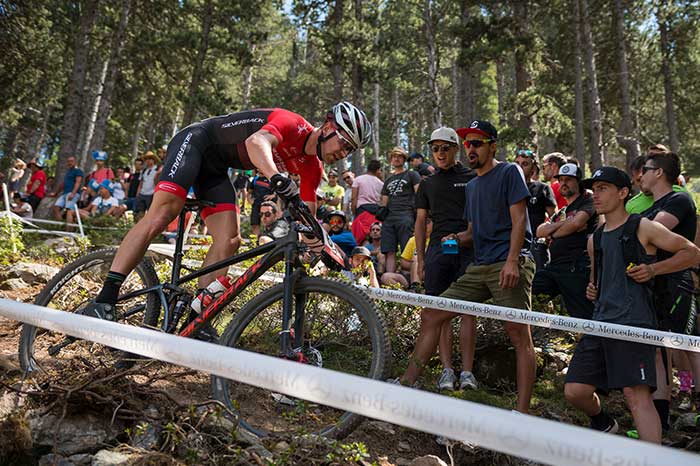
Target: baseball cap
point(482, 127)
point(444, 134)
point(416, 155)
point(611, 175)
point(360, 250)
point(333, 172)
point(99, 155)
point(94, 185)
point(34, 161)
point(107, 185)
point(569, 169)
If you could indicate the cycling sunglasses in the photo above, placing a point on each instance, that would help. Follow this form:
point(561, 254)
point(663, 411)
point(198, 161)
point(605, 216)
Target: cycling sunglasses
point(347, 145)
point(336, 221)
point(524, 153)
point(476, 143)
point(441, 147)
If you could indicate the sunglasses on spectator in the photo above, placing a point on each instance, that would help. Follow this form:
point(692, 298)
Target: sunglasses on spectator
point(336, 221)
point(347, 178)
point(476, 143)
point(646, 168)
point(266, 214)
point(441, 148)
point(375, 229)
point(524, 153)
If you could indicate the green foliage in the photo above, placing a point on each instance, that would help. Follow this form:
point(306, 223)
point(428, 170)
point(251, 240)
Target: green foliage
point(11, 246)
point(105, 230)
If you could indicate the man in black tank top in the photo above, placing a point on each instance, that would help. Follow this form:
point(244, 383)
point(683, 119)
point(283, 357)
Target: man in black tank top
point(621, 296)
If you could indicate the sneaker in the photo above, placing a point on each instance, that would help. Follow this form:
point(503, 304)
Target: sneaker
point(611, 428)
point(104, 311)
point(686, 402)
point(394, 381)
point(447, 380)
point(467, 381)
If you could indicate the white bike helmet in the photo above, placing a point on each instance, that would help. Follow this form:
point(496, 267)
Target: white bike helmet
point(353, 121)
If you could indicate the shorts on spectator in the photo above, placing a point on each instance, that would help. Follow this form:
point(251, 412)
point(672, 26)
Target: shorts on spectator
point(610, 364)
point(396, 231)
point(676, 304)
point(64, 203)
point(568, 278)
point(441, 270)
point(143, 202)
point(480, 282)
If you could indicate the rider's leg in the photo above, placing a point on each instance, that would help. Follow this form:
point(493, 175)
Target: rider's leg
point(166, 206)
point(224, 230)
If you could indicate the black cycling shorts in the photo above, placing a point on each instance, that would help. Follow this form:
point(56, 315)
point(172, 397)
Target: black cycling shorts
point(187, 166)
point(676, 303)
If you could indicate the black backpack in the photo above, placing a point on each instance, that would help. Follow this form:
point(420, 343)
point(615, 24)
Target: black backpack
point(632, 250)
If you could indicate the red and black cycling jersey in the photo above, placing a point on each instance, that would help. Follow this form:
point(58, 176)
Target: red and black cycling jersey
point(200, 154)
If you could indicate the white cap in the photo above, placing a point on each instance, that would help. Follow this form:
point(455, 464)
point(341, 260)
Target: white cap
point(569, 169)
point(444, 134)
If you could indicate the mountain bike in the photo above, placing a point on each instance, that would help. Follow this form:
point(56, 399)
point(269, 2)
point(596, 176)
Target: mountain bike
point(311, 320)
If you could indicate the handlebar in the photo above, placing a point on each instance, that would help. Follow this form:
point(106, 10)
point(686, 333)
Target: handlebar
point(331, 255)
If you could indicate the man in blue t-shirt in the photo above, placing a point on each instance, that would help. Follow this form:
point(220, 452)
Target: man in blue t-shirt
point(338, 232)
point(503, 268)
point(70, 186)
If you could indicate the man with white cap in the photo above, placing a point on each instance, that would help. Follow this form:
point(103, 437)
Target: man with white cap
point(568, 271)
point(441, 197)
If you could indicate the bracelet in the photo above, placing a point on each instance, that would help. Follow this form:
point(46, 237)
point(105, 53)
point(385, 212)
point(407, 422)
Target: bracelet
point(653, 272)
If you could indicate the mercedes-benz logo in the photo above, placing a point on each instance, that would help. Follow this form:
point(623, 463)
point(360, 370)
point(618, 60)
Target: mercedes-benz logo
point(510, 314)
point(442, 304)
point(676, 340)
point(588, 327)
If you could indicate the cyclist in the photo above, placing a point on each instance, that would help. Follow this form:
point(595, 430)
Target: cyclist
point(269, 140)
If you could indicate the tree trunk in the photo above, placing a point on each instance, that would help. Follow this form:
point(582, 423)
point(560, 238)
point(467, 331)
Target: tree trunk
point(502, 95)
point(72, 110)
point(36, 147)
point(465, 76)
point(248, 78)
point(337, 54)
point(596, 124)
point(523, 77)
point(357, 87)
point(397, 119)
point(375, 124)
point(135, 138)
point(86, 162)
point(198, 71)
point(662, 19)
point(578, 65)
point(433, 65)
point(625, 134)
point(118, 41)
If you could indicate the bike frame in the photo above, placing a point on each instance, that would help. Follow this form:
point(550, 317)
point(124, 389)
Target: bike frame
point(286, 249)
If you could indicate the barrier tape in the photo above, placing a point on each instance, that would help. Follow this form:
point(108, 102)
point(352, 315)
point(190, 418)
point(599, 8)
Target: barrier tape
point(520, 435)
point(540, 319)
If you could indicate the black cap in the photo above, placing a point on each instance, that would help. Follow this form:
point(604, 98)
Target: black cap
point(610, 175)
point(336, 213)
point(416, 155)
point(482, 127)
point(361, 250)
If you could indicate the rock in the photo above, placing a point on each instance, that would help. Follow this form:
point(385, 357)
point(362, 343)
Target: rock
point(9, 365)
point(216, 419)
point(281, 446)
point(55, 460)
point(30, 272)
point(13, 284)
point(10, 402)
point(494, 366)
point(62, 245)
point(384, 427)
point(146, 436)
point(427, 460)
point(81, 459)
point(111, 458)
point(404, 446)
point(402, 462)
point(78, 434)
point(242, 436)
point(686, 421)
point(259, 451)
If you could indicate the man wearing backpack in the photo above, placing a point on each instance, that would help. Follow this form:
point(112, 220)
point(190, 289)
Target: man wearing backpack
point(674, 293)
point(623, 250)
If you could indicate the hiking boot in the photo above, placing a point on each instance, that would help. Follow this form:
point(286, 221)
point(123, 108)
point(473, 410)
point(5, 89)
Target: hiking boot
point(104, 311)
point(206, 333)
point(467, 381)
point(447, 379)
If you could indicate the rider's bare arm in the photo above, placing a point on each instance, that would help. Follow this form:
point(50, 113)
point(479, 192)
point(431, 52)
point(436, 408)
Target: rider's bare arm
point(259, 146)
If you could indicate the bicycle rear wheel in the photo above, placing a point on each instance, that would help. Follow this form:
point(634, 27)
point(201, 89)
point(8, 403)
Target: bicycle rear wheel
point(73, 287)
point(342, 331)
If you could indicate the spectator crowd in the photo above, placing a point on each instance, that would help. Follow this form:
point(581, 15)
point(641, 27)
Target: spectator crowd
point(613, 247)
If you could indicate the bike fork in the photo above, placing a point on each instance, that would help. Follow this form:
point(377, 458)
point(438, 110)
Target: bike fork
point(290, 278)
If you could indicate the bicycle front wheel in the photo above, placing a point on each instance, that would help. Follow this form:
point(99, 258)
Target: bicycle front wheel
point(342, 330)
point(73, 287)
